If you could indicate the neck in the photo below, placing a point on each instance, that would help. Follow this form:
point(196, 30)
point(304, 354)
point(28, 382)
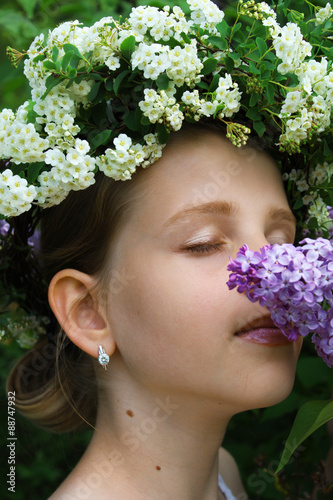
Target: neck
point(150, 444)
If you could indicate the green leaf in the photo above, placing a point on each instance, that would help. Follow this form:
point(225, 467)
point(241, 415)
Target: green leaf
point(270, 92)
point(31, 113)
point(163, 134)
point(253, 114)
point(163, 81)
point(259, 127)
point(68, 47)
point(40, 57)
point(298, 203)
point(283, 6)
point(109, 85)
point(49, 65)
point(94, 91)
point(145, 120)
point(222, 28)
point(309, 418)
point(269, 65)
point(327, 150)
point(229, 64)
point(312, 223)
point(185, 38)
point(127, 47)
point(50, 83)
point(55, 53)
point(218, 42)
point(214, 83)
point(100, 139)
point(66, 60)
point(254, 99)
point(33, 171)
point(236, 28)
point(262, 46)
point(117, 82)
point(58, 66)
point(133, 120)
point(253, 68)
point(95, 76)
point(209, 66)
point(72, 72)
point(29, 7)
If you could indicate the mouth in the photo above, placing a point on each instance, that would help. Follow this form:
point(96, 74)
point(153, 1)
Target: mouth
point(263, 331)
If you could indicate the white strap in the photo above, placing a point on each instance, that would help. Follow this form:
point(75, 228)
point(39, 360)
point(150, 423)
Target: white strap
point(225, 490)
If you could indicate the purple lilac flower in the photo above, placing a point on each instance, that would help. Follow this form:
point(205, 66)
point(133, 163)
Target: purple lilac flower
point(33, 241)
point(295, 284)
point(330, 230)
point(4, 226)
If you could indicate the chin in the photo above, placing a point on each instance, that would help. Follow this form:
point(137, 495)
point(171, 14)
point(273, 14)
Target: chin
point(272, 380)
point(276, 386)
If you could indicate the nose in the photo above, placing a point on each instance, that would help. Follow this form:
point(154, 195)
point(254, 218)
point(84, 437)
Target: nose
point(255, 240)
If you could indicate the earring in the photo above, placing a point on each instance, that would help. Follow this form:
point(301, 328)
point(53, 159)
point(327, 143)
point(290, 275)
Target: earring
point(103, 358)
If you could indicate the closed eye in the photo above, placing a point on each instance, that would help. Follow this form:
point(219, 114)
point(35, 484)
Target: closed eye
point(203, 248)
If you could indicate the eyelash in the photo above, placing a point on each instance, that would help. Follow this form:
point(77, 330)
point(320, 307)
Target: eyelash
point(203, 248)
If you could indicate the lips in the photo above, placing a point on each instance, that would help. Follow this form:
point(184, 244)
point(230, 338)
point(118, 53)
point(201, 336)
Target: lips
point(262, 331)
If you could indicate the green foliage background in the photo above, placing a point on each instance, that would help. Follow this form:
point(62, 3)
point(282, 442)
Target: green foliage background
point(255, 438)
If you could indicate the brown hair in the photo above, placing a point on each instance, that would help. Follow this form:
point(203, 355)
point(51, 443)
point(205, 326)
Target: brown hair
point(55, 383)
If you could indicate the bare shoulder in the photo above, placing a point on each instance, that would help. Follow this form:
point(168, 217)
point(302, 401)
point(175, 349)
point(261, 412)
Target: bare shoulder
point(228, 469)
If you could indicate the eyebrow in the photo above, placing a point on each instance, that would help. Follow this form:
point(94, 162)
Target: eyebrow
point(225, 208)
point(278, 214)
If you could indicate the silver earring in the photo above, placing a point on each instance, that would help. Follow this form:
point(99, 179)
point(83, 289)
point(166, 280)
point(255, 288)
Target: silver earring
point(103, 358)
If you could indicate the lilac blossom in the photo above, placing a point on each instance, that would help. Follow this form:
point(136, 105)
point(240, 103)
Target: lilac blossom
point(4, 226)
point(33, 241)
point(295, 284)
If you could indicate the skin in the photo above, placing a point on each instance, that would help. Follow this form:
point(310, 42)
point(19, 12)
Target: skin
point(170, 329)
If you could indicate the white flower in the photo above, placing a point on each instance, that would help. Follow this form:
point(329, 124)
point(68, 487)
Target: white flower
point(73, 156)
point(66, 121)
point(55, 157)
point(293, 102)
point(227, 93)
point(307, 199)
point(16, 196)
point(290, 46)
point(302, 186)
point(206, 14)
point(207, 108)
point(82, 146)
point(191, 98)
point(323, 14)
point(112, 62)
point(122, 142)
point(265, 8)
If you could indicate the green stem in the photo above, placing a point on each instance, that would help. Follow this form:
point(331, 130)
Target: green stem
point(232, 29)
point(279, 84)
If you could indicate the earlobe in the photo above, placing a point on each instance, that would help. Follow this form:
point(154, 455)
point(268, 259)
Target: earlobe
point(73, 300)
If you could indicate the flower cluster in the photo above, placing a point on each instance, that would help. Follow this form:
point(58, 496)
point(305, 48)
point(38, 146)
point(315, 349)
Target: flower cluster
point(145, 76)
point(309, 186)
point(25, 329)
point(180, 64)
point(295, 284)
point(121, 162)
point(324, 14)
point(308, 107)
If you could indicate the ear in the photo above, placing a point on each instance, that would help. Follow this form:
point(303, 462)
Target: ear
point(73, 300)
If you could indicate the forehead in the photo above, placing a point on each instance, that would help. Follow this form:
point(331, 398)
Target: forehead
point(203, 166)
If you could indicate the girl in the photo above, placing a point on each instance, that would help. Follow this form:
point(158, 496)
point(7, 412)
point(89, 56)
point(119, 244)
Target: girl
point(155, 352)
point(139, 268)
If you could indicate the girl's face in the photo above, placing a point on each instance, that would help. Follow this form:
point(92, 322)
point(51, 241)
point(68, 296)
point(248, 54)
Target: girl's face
point(174, 319)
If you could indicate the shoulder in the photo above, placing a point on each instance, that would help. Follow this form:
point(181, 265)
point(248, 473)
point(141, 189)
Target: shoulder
point(228, 469)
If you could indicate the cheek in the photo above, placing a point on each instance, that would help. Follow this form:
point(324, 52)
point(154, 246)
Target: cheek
point(173, 310)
